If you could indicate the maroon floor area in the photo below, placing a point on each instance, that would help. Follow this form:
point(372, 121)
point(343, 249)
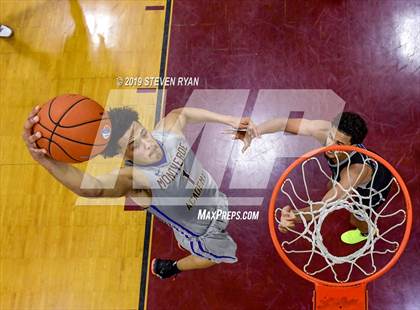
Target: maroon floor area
point(365, 51)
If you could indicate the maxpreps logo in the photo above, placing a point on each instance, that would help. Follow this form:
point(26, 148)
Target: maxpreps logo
point(106, 132)
point(219, 214)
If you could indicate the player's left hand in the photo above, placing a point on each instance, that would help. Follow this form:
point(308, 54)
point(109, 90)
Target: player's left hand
point(30, 138)
point(287, 220)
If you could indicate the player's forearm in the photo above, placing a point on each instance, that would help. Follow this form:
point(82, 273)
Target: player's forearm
point(332, 195)
point(307, 213)
point(72, 178)
point(272, 126)
point(196, 115)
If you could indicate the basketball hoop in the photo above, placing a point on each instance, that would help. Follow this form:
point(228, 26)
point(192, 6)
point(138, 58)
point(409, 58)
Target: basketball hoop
point(384, 220)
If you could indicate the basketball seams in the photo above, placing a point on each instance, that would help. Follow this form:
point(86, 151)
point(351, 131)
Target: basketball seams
point(62, 116)
point(49, 111)
point(49, 116)
point(66, 138)
point(84, 123)
point(39, 146)
point(64, 151)
point(60, 147)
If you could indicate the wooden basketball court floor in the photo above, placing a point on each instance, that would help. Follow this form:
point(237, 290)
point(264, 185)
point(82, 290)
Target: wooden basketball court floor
point(55, 255)
point(59, 255)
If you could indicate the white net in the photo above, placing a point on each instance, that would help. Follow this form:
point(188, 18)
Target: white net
point(366, 203)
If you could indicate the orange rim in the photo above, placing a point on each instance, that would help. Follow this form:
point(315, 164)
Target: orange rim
point(273, 228)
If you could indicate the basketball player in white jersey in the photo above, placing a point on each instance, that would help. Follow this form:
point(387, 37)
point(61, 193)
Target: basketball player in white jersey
point(162, 175)
point(346, 129)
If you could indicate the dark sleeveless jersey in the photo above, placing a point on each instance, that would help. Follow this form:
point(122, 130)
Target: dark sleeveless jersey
point(374, 192)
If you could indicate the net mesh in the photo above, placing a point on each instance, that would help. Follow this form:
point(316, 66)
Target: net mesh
point(360, 203)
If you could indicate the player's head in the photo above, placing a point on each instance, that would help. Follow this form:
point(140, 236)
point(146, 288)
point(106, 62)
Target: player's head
point(347, 129)
point(130, 139)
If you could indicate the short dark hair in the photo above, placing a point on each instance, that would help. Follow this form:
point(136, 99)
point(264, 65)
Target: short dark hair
point(121, 120)
point(353, 125)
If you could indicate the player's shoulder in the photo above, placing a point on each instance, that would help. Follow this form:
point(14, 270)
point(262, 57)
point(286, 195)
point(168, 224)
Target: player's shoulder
point(365, 159)
point(358, 157)
point(162, 133)
point(170, 123)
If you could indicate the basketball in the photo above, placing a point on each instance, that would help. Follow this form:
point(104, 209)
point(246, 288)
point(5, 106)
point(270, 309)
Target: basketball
point(74, 128)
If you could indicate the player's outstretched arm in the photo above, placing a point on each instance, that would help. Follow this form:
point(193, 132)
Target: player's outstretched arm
point(177, 119)
point(70, 176)
point(297, 126)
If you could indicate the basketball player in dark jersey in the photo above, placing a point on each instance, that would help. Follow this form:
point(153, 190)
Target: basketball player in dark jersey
point(162, 175)
point(361, 174)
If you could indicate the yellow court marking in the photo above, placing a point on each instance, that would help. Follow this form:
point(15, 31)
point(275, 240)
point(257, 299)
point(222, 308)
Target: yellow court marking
point(55, 255)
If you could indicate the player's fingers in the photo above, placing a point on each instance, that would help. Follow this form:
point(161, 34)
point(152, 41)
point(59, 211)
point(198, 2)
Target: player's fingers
point(285, 212)
point(285, 220)
point(244, 122)
point(255, 132)
point(291, 217)
point(33, 146)
point(249, 132)
point(237, 136)
point(290, 214)
point(38, 151)
point(282, 229)
point(228, 131)
point(32, 118)
point(252, 129)
point(30, 122)
point(287, 224)
point(34, 137)
point(290, 224)
point(25, 136)
point(34, 112)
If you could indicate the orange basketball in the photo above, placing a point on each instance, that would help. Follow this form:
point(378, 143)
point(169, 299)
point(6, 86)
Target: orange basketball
point(74, 128)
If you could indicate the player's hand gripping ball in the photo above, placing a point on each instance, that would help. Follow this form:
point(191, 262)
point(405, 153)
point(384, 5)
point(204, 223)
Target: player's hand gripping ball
point(73, 128)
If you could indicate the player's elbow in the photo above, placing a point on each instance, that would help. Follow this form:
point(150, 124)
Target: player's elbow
point(180, 114)
point(96, 190)
point(102, 193)
point(177, 110)
point(90, 193)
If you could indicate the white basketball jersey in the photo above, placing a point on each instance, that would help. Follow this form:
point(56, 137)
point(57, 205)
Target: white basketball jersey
point(180, 186)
